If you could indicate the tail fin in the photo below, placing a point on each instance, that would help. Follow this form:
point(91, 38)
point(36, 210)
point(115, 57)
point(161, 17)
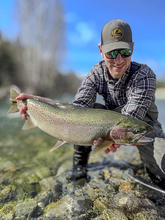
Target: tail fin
point(14, 92)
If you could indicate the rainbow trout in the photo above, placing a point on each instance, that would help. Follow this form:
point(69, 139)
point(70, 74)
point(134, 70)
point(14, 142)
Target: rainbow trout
point(81, 126)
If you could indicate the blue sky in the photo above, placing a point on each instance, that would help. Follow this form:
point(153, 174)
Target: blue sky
point(85, 19)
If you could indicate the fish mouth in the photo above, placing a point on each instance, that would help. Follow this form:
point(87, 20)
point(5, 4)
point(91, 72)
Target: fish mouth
point(123, 136)
point(141, 139)
point(144, 140)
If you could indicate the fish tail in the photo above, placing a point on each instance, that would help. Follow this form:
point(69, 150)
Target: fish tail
point(14, 92)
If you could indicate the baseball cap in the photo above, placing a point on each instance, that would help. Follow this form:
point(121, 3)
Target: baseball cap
point(116, 34)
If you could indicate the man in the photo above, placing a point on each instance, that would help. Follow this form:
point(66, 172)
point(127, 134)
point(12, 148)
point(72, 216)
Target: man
point(127, 87)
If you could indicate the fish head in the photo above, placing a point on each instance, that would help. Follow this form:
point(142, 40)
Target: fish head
point(131, 132)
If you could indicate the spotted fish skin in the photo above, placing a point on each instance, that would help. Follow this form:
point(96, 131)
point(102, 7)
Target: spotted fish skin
point(78, 125)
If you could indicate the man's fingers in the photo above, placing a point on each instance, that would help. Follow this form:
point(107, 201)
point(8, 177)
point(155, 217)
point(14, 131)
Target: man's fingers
point(107, 151)
point(23, 109)
point(21, 96)
point(112, 148)
point(97, 142)
point(25, 116)
point(24, 96)
point(23, 112)
point(116, 145)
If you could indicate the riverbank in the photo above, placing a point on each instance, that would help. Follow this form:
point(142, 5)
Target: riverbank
point(160, 93)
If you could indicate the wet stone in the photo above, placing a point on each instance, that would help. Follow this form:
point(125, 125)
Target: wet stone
point(44, 198)
point(7, 193)
point(47, 183)
point(145, 214)
point(114, 214)
point(7, 211)
point(125, 186)
point(129, 202)
point(27, 209)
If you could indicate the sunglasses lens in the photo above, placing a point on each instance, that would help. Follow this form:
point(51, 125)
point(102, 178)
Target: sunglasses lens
point(112, 54)
point(123, 52)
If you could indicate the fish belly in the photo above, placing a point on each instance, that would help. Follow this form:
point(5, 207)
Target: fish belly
point(74, 133)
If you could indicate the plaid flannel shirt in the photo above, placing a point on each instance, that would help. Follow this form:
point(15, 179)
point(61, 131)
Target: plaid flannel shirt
point(134, 91)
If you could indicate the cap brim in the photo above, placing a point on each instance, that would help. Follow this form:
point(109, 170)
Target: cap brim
point(117, 45)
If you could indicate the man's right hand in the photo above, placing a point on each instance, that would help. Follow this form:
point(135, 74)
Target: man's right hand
point(23, 109)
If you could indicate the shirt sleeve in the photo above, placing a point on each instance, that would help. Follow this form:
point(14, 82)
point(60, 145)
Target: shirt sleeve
point(140, 96)
point(86, 95)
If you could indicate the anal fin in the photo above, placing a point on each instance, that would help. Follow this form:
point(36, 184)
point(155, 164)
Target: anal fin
point(57, 145)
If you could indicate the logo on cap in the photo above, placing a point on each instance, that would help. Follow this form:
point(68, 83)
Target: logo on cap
point(117, 33)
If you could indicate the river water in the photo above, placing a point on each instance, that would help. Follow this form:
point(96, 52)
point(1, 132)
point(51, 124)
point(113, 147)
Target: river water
point(161, 108)
point(10, 130)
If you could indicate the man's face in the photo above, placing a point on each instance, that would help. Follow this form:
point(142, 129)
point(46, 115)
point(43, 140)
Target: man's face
point(118, 66)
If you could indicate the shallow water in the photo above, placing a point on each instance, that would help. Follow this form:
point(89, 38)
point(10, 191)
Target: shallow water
point(161, 109)
point(25, 157)
point(27, 147)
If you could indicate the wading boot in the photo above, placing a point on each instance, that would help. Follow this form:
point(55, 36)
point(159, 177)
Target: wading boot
point(80, 161)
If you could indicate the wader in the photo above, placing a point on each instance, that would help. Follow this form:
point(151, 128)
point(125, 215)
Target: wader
point(152, 154)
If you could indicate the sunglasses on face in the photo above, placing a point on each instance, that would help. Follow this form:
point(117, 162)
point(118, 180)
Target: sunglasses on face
point(123, 52)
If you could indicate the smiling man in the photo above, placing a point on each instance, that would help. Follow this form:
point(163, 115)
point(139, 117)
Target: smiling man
point(127, 87)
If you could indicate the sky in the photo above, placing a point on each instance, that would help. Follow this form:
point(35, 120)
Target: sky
point(85, 19)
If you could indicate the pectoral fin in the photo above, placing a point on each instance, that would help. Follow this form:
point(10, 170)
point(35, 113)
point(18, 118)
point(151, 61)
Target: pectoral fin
point(57, 145)
point(28, 125)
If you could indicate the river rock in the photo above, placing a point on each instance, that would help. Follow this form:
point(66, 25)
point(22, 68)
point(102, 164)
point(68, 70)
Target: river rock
point(27, 209)
point(7, 193)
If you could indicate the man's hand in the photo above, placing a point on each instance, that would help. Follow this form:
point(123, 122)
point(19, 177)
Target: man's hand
point(112, 148)
point(23, 96)
point(23, 109)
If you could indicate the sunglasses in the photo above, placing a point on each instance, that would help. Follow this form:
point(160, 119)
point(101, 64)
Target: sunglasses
point(123, 52)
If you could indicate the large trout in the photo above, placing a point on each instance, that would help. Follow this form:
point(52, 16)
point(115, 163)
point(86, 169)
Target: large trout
point(81, 126)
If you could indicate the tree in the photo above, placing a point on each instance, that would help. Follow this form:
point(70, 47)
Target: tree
point(8, 63)
point(42, 32)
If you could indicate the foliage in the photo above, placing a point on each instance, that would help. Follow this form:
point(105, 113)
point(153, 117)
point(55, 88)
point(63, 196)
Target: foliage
point(42, 32)
point(52, 83)
point(33, 61)
point(8, 66)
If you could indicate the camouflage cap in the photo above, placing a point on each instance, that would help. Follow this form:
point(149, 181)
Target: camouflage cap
point(116, 34)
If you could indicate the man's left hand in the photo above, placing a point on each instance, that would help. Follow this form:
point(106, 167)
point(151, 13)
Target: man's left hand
point(112, 148)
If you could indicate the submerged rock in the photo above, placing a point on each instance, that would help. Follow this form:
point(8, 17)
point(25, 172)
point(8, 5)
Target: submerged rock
point(114, 214)
point(7, 212)
point(27, 209)
point(7, 193)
